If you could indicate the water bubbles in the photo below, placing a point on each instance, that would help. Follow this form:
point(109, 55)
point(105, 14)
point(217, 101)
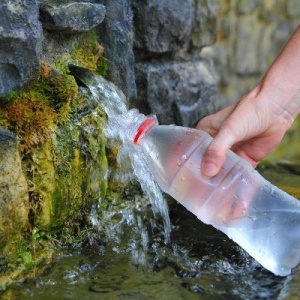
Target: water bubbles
point(48, 282)
point(94, 218)
point(181, 160)
point(245, 180)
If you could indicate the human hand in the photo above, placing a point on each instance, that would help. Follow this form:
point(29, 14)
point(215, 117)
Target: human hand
point(251, 128)
point(256, 124)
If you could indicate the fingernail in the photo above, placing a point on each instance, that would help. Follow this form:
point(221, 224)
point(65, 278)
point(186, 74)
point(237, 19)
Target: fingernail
point(209, 169)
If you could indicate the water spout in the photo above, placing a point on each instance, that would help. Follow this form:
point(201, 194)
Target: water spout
point(113, 101)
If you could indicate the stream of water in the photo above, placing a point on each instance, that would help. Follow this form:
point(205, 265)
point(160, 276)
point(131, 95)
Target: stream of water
point(121, 127)
point(183, 259)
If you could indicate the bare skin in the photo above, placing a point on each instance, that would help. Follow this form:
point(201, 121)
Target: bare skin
point(256, 124)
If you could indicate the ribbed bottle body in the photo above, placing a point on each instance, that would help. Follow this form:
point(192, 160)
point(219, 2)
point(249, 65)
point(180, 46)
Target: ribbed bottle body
point(262, 219)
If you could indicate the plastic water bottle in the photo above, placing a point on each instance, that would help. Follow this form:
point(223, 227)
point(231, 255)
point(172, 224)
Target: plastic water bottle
point(262, 219)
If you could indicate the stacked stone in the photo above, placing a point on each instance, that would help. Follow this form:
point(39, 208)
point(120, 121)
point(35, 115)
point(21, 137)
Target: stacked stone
point(164, 38)
point(173, 80)
point(155, 48)
point(21, 35)
point(20, 44)
point(250, 35)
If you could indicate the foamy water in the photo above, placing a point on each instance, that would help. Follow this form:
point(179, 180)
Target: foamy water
point(121, 127)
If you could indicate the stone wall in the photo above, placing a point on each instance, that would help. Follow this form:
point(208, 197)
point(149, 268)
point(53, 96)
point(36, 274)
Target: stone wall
point(173, 79)
point(153, 49)
point(250, 34)
point(160, 53)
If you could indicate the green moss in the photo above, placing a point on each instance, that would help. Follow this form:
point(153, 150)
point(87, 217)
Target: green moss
point(88, 54)
point(32, 115)
point(69, 170)
point(23, 258)
point(102, 66)
point(62, 143)
point(65, 165)
point(27, 260)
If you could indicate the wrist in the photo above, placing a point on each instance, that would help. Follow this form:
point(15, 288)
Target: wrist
point(281, 93)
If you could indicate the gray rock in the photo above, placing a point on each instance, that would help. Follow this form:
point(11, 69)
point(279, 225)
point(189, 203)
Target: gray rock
point(162, 25)
point(116, 34)
point(177, 92)
point(20, 44)
point(72, 17)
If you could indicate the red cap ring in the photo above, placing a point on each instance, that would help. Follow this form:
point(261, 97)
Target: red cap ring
point(141, 129)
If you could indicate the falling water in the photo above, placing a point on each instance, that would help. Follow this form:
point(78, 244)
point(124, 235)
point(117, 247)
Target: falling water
point(121, 126)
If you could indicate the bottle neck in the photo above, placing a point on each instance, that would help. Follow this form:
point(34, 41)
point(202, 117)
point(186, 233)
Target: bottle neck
point(143, 129)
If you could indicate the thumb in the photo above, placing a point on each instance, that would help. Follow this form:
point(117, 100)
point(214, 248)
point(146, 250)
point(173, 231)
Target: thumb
point(215, 154)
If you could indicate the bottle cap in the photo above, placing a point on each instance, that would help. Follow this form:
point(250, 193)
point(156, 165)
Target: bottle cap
point(142, 129)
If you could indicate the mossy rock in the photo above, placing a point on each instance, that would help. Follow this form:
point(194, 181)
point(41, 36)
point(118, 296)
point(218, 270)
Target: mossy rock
point(62, 146)
point(62, 150)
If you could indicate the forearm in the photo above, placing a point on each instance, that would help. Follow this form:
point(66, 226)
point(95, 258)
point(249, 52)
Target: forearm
point(282, 81)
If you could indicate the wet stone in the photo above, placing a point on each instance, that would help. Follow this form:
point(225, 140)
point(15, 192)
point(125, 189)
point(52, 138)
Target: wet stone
point(193, 288)
point(7, 138)
point(72, 17)
point(116, 34)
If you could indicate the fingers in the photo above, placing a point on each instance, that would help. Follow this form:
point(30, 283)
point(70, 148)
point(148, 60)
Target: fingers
point(216, 152)
point(250, 127)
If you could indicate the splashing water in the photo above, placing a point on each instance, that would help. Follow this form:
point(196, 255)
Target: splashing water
point(121, 127)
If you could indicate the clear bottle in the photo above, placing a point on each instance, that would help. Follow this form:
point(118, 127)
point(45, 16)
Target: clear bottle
point(262, 219)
